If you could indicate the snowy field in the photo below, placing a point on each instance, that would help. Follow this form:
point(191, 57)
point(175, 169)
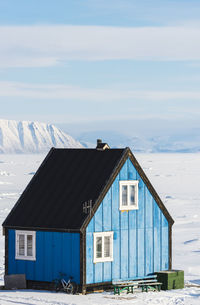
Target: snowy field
point(176, 177)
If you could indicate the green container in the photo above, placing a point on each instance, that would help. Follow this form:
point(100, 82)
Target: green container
point(171, 279)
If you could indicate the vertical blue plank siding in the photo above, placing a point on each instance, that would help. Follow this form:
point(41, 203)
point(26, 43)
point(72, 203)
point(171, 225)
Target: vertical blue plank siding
point(55, 252)
point(39, 274)
point(165, 244)
point(132, 254)
point(11, 246)
point(89, 258)
point(107, 209)
point(48, 272)
point(124, 252)
point(157, 238)
point(140, 239)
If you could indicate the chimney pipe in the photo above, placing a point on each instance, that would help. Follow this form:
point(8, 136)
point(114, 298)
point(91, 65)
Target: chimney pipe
point(101, 146)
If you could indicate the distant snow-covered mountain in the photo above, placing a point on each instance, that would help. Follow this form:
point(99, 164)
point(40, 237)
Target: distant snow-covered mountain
point(115, 140)
point(32, 137)
point(185, 143)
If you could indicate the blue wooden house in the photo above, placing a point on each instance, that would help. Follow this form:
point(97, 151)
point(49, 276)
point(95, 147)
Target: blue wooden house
point(91, 214)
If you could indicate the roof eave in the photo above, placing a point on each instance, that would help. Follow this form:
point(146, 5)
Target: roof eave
point(43, 229)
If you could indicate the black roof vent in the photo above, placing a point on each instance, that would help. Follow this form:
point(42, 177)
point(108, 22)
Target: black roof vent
point(101, 146)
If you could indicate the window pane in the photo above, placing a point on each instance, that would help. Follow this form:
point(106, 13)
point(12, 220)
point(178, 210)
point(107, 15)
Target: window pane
point(29, 245)
point(99, 247)
point(132, 194)
point(107, 246)
point(124, 195)
point(21, 245)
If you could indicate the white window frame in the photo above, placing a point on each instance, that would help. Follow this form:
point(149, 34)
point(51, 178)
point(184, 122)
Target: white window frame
point(103, 259)
point(25, 256)
point(128, 206)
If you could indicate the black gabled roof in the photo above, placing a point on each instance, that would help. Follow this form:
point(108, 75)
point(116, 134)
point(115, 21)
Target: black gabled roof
point(66, 179)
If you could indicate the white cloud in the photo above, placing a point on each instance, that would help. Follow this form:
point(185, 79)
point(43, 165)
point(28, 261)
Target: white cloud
point(34, 46)
point(68, 92)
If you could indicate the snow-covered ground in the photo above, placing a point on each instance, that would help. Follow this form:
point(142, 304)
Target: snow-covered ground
point(176, 177)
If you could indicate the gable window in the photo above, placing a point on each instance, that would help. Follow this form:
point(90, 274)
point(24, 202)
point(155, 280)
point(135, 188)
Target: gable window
point(103, 247)
point(128, 193)
point(25, 245)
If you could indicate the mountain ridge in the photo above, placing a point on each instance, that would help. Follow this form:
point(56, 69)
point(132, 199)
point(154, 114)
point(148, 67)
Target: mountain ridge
point(172, 143)
point(32, 137)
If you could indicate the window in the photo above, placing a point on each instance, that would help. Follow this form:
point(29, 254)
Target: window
point(103, 247)
point(128, 192)
point(25, 245)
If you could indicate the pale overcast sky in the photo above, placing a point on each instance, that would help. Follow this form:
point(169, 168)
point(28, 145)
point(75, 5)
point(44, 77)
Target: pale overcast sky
point(110, 64)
